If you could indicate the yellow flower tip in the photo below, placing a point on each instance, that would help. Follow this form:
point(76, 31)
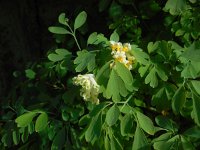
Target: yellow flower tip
point(164, 112)
point(112, 65)
point(125, 49)
point(113, 47)
point(127, 46)
point(120, 59)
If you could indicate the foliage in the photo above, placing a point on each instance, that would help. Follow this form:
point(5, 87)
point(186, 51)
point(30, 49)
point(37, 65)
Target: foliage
point(154, 104)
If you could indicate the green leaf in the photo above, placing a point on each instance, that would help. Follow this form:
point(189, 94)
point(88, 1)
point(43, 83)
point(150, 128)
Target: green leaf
point(140, 141)
point(31, 128)
point(193, 52)
point(175, 7)
point(159, 143)
point(152, 78)
point(112, 115)
point(196, 108)
point(191, 70)
point(145, 123)
point(92, 38)
point(41, 122)
point(102, 73)
point(178, 100)
point(140, 56)
point(97, 109)
point(55, 57)
point(62, 19)
point(106, 143)
point(193, 132)
point(115, 144)
point(62, 51)
point(65, 115)
point(101, 39)
point(166, 123)
point(115, 87)
point(25, 135)
point(152, 46)
point(162, 98)
point(161, 73)
point(179, 32)
point(84, 120)
point(186, 144)
point(143, 70)
point(196, 85)
point(58, 30)
point(171, 143)
point(7, 139)
point(114, 37)
point(94, 130)
point(85, 59)
point(126, 125)
point(16, 136)
point(124, 74)
point(25, 119)
point(59, 140)
point(60, 55)
point(125, 109)
point(30, 74)
point(80, 20)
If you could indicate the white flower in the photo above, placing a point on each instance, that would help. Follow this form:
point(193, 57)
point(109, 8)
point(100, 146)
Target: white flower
point(121, 53)
point(126, 47)
point(90, 88)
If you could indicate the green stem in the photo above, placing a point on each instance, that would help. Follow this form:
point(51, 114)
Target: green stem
point(76, 41)
point(125, 103)
point(74, 36)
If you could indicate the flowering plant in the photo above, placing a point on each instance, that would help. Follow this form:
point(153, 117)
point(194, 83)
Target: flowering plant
point(117, 96)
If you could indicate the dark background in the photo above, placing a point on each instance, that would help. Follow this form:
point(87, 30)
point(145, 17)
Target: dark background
point(24, 35)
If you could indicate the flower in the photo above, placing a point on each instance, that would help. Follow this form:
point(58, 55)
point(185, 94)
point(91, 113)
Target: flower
point(121, 53)
point(90, 88)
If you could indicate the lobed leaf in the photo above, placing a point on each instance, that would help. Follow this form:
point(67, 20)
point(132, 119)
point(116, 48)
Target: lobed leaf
point(85, 59)
point(152, 78)
point(175, 7)
point(115, 87)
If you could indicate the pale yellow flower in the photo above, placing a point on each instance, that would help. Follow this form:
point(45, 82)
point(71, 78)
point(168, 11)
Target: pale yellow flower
point(90, 88)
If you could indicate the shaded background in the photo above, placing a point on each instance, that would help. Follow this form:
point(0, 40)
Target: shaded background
point(24, 35)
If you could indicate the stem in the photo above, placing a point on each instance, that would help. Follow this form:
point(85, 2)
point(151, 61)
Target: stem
point(76, 41)
point(125, 103)
point(74, 36)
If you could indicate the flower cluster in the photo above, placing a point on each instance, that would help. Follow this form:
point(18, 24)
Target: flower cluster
point(90, 88)
point(122, 54)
